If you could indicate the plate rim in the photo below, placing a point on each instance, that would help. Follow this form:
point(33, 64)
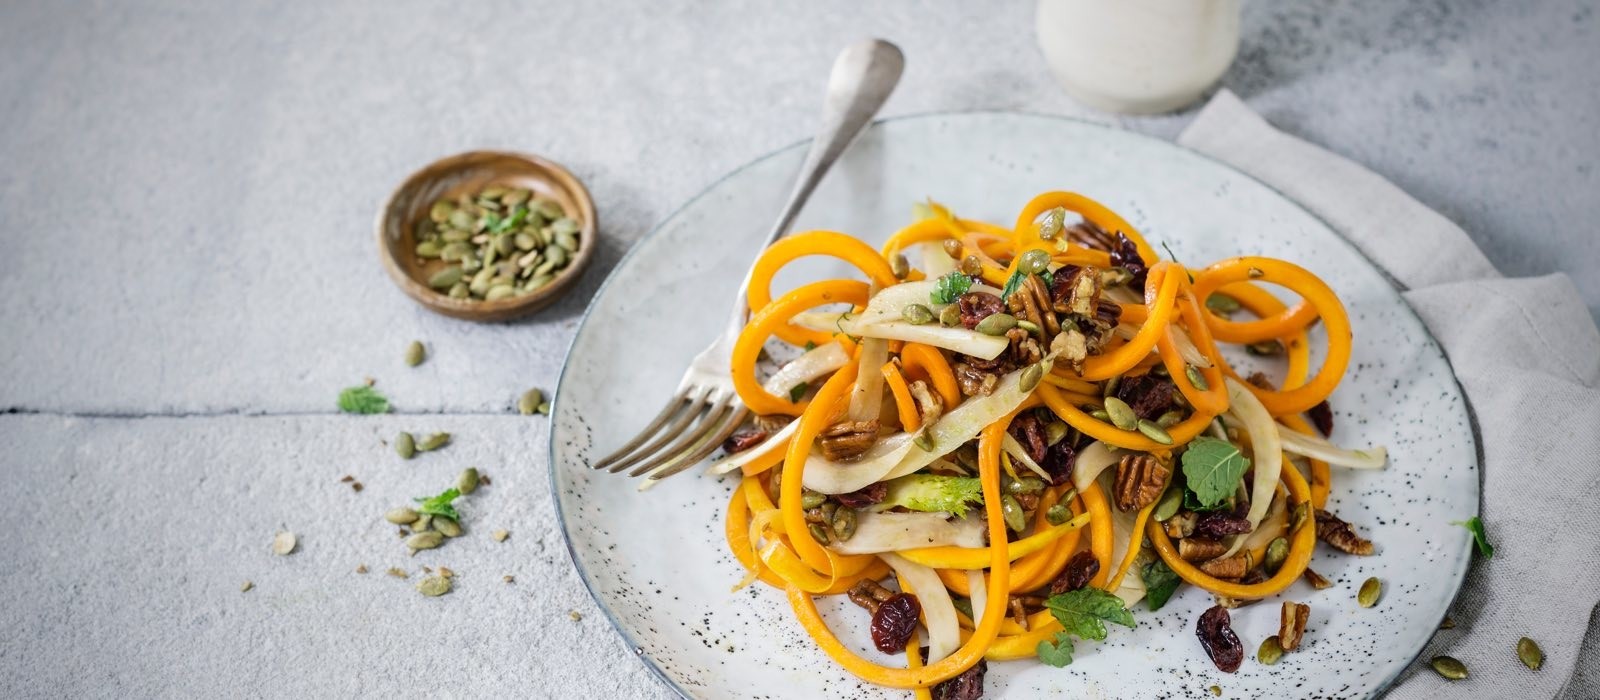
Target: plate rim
point(1459, 574)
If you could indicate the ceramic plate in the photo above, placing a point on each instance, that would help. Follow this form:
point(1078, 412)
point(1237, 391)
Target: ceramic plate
point(657, 561)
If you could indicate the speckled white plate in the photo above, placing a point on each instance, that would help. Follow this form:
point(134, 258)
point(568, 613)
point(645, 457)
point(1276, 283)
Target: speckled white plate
point(657, 562)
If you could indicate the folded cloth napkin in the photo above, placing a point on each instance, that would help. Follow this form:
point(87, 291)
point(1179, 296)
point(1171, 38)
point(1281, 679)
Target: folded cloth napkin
point(1528, 356)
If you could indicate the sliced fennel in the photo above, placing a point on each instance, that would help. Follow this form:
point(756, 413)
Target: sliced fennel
point(1090, 462)
point(938, 612)
point(888, 304)
point(891, 532)
point(830, 477)
point(1180, 338)
point(959, 340)
point(935, 262)
point(814, 363)
point(979, 587)
point(1265, 449)
point(1320, 449)
point(737, 460)
point(867, 396)
point(1020, 454)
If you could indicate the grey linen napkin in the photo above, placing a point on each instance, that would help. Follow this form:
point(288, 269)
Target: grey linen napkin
point(1528, 356)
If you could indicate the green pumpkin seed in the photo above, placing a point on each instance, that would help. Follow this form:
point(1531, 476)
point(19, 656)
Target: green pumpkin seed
point(459, 291)
point(1100, 414)
point(440, 211)
point(1449, 667)
point(1171, 501)
point(447, 527)
point(1121, 413)
point(470, 262)
point(564, 225)
point(424, 540)
point(548, 208)
point(843, 524)
point(424, 521)
point(515, 196)
point(1223, 304)
point(996, 324)
point(468, 481)
point(454, 251)
point(812, 499)
point(1110, 387)
point(527, 262)
point(434, 586)
point(1015, 518)
point(499, 292)
point(1154, 432)
point(818, 532)
point(480, 281)
point(950, 316)
point(1050, 225)
point(1277, 551)
point(461, 220)
point(492, 192)
point(455, 236)
point(558, 255)
point(1265, 348)
point(547, 266)
point(1270, 652)
point(1034, 262)
point(433, 442)
point(505, 244)
point(1370, 590)
point(525, 241)
point(1169, 419)
point(1196, 379)
point(1027, 325)
point(445, 278)
point(1058, 514)
point(1055, 431)
point(952, 248)
point(1300, 516)
point(480, 239)
point(1530, 653)
point(916, 314)
point(539, 281)
point(428, 249)
point(971, 266)
point(899, 266)
point(401, 516)
point(415, 353)
point(544, 409)
point(405, 445)
point(529, 402)
point(567, 242)
point(1024, 485)
point(1030, 377)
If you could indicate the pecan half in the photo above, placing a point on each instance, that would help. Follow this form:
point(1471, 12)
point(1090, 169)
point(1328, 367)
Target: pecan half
point(743, 440)
point(869, 594)
point(976, 306)
point(847, 440)
point(1025, 349)
point(929, 405)
point(1019, 614)
point(974, 381)
point(1316, 580)
point(1338, 533)
point(1200, 549)
point(1292, 624)
point(1041, 300)
point(1260, 381)
point(772, 423)
point(1181, 525)
point(1088, 235)
point(1080, 293)
point(1231, 568)
point(1140, 480)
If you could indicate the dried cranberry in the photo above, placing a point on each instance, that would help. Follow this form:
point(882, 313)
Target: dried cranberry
point(1058, 460)
point(1219, 524)
point(1220, 643)
point(864, 497)
point(976, 306)
point(1061, 284)
point(743, 440)
point(1029, 431)
point(1148, 396)
point(1080, 570)
point(894, 622)
point(1322, 417)
point(966, 686)
point(1126, 256)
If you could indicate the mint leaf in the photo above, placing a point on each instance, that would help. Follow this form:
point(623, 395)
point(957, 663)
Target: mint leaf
point(1012, 285)
point(1159, 583)
point(440, 505)
point(1085, 611)
point(798, 391)
point(1475, 526)
point(1190, 502)
point(362, 399)
point(1057, 653)
point(950, 288)
point(1213, 468)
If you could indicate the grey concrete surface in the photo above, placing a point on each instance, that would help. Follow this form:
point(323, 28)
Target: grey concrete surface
point(186, 198)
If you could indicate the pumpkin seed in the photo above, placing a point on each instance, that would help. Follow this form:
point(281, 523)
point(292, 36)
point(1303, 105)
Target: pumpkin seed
point(405, 445)
point(1301, 515)
point(515, 196)
point(415, 353)
point(447, 527)
point(1034, 262)
point(1449, 667)
point(441, 211)
point(899, 266)
point(812, 499)
point(433, 442)
point(1030, 377)
point(401, 516)
point(504, 244)
point(1222, 304)
point(525, 241)
point(461, 220)
point(1171, 501)
point(1277, 551)
point(445, 278)
point(1530, 653)
point(567, 242)
point(916, 314)
point(499, 535)
point(971, 266)
point(1110, 388)
point(538, 281)
point(424, 540)
point(544, 409)
point(547, 208)
point(558, 255)
point(459, 291)
point(950, 316)
point(1265, 348)
point(843, 524)
point(1154, 432)
point(529, 402)
point(424, 521)
point(1271, 651)
point(1058, 514)
point(468, 481)
point(548, 265)
point(246, 586)
point(818, 533)
point(283, 543)
point(434, 586)
point(996, 324)
point(1027, 325)
point(1015, 518)
point(498, 292)
point(492, 192)
point(456, 236)
point(564, 225)
point(1100, 414)
point(1448, 623)
point(1121, 413)
point(1370, 590)
point(1216, 690)
point(952, 248)
point(1196, 379)
point(1169, 419)
point(1055, 431)
point(1050, 225)
point(428, 249)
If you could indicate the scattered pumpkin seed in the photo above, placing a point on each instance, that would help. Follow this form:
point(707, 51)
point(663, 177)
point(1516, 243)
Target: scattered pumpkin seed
point(1034, 262)
point(405, 445)
point(283, 543)
point(1100, 414)
point(900, 266)
point(1449, 667)
point(445, 278)
point(812, 499)
point(1448, 623)
point(397, 572)
point(499, 535)
point(843, 524)
point(1277, 551)
point(468, 481)
point(996, 324)
point(971, 266)
point(361, 568)
point(246, 586)
point(576, 617)
point(433, 442)
point(1027, 325)
point(1370, 590)
point(1265, 348)
point(428, 249)
point(528, 404)
point(1169, 419)
point(818, 533)
point(401, 516)
point(1050, 225)
point(425, 540)
point(434, 586)
point(1110, 387)
point(1154, 432)
point(1030, 377)
point(1196, 379)
point(1530, 653)
point(1171, 501)
point(1271, 651)
point(916, 314)
point(1301, 515)
point(1121, 413)
point(447, 527)
point(1222, 304)
point(1055, 431)
point(950, 316)
point(1058, 514)
point(424, 521)
point(1216, 690)
point(1025, 485)
point(1012, 511)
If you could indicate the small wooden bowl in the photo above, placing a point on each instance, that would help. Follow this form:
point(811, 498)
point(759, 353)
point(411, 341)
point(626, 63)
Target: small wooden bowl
point(470, 172)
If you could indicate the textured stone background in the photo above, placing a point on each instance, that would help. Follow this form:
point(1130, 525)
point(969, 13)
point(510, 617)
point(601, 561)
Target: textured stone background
point(188, 277)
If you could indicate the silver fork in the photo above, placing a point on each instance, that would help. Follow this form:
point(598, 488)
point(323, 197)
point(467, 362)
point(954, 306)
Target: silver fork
point(705, 410)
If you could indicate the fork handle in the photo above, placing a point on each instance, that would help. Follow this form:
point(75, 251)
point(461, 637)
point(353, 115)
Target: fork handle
point(863, 76)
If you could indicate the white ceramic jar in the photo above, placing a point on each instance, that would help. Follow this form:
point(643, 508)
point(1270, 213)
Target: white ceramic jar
point(1138, 56)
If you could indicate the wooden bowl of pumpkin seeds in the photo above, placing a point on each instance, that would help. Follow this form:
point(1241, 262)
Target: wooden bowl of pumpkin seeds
point(487, 235)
